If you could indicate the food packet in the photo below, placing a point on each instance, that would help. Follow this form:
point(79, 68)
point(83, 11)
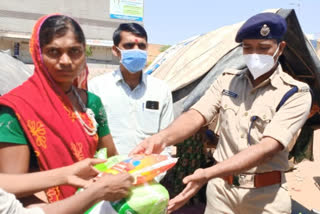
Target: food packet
point(102, 154)
point(143, 168)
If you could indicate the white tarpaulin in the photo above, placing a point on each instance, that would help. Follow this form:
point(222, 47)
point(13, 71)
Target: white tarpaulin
point(191, 66)
point(12, 73)
point(185, 62)
point(195, 59)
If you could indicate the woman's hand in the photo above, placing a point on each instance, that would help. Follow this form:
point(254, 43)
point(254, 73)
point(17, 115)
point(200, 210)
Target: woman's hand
point(80, 173)
point(194, 183)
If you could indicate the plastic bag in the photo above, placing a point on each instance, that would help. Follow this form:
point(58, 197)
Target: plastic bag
point(148, 198)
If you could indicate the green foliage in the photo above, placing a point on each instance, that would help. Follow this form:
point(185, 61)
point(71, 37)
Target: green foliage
point(164, 48)
point(88, 50)
point(303, 147)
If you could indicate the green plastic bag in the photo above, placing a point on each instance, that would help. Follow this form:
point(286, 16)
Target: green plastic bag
point(149, 198)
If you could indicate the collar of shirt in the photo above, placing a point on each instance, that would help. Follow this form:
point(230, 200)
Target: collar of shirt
point(119, 78)
point(274, 79)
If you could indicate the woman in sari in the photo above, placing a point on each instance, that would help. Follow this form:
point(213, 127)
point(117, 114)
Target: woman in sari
point(50, 121)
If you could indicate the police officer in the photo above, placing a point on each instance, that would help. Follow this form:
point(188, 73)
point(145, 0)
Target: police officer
point(252, 152)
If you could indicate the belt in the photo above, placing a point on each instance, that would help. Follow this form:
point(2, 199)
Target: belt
point(254, 180)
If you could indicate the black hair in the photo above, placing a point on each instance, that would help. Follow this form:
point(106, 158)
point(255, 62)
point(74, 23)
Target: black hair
point(58, 26)
point(134, 28)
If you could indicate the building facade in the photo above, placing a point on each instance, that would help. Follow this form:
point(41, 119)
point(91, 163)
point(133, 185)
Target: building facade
point(98, 19)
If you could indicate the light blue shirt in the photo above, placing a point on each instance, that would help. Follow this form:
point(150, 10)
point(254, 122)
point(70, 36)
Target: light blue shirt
point(134, 114)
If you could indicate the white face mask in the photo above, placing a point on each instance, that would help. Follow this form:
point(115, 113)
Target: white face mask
point(260, 64)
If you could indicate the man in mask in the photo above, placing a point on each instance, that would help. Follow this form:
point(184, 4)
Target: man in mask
point(137, 105)
point(255, 129)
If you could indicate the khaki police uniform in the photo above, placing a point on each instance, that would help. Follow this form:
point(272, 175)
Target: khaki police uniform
point(237, 101)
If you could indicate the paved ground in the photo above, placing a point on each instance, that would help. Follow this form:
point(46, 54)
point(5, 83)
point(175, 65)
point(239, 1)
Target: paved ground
point(304, 187)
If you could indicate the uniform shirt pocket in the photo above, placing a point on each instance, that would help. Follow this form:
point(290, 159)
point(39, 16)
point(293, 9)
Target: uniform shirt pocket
point(228, 111)
point(264, 115)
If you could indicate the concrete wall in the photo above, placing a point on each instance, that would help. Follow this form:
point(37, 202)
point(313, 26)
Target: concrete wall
point(17, 18)
point(93, 15)
point(7, 45)
point(101, 54)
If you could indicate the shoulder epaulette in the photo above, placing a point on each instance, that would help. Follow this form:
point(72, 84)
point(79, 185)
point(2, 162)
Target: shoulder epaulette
point(302, 87)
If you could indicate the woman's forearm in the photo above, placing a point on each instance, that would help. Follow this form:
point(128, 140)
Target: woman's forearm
point(27, 184)
point(107, 142)
point(78, 203)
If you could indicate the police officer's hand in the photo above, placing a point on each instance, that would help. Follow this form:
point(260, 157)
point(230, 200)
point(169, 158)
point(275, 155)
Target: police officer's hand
point(151, 145)
point(194, 183)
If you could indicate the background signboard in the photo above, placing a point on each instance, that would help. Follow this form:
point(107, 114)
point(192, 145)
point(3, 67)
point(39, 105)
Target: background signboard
point(126, 9)
point(17, 18)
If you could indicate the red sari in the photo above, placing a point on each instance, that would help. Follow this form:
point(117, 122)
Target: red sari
point(47, 119)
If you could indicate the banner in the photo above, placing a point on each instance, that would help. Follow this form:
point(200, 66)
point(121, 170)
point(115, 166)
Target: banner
point(126, 9)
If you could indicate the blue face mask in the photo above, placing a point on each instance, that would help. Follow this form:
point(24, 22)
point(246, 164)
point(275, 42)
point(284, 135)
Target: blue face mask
point(133, 60)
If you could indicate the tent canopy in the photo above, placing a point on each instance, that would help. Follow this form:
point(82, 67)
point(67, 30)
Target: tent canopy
point(12, 73)
point(190, 67)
